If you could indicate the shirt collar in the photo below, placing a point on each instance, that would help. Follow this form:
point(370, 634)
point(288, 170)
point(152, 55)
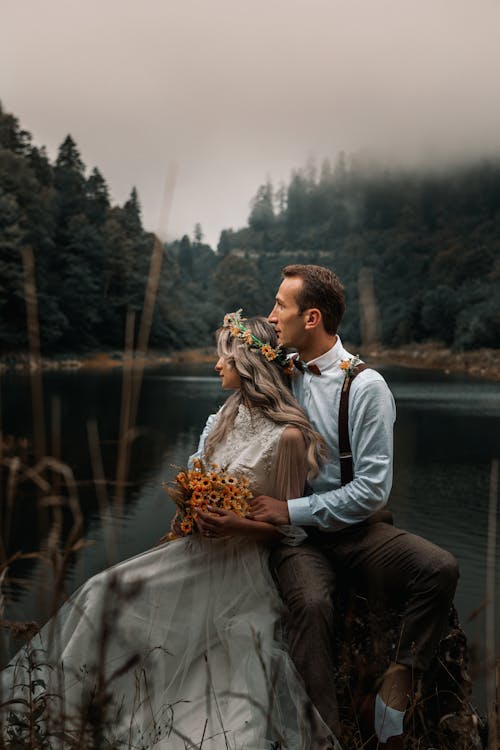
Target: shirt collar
point(330, 358)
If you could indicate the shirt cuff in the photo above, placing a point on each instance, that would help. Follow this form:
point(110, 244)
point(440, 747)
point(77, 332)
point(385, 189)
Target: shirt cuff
point(300, 513)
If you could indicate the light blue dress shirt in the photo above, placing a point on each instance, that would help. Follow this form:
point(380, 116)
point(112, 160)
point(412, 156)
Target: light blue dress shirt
point(372, 414)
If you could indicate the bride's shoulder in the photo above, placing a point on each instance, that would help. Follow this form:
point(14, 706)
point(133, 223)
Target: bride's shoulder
point(292, 437)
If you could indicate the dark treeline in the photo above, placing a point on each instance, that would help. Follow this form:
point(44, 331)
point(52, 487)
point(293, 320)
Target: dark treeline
point(423, 248)
point(91, 258)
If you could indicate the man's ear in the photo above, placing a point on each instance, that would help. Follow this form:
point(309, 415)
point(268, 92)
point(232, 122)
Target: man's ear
point(313, 318)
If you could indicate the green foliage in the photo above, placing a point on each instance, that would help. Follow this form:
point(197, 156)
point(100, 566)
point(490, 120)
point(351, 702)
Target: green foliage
point(440, 307)
point(237, 283)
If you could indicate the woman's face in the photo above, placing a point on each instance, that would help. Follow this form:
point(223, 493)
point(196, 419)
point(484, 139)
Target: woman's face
point(230, 378)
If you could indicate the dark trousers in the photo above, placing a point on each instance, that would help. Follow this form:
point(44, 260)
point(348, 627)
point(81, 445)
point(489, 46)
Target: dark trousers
point(385, 564)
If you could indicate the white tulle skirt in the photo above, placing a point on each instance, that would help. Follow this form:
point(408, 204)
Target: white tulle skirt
point(175, 648)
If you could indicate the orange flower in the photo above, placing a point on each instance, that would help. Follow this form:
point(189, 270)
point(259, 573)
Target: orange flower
point(268, 352)
point(345, 364)
point(197, 498)
point(197, 488)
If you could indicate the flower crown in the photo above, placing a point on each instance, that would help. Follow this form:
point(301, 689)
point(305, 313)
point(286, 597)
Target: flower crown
point(238, 329)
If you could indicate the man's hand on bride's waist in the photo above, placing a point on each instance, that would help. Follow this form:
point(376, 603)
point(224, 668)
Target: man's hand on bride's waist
point(270, 510)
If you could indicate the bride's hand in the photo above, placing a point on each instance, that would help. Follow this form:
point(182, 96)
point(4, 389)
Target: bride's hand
point(219, 523)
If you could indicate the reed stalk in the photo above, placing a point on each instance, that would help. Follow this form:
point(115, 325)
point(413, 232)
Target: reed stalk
point(133, 368)
point(55, 424)
point(126, 400)
point(100, 485)
point(1, 461)
point(151, 291)
point(490, 644)
point(34, 349)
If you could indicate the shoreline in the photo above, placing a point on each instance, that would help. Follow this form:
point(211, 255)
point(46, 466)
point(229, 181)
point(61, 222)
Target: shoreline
point(479, 363)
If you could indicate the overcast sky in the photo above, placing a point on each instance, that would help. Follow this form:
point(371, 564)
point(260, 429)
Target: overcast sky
point(236, 91)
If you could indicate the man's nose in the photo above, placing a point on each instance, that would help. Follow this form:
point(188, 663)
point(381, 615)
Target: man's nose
point(272, 318)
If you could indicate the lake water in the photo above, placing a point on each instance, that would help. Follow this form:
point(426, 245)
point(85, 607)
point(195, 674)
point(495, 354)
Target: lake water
point(446, 435)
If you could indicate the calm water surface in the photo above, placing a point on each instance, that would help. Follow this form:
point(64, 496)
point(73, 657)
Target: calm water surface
point(447, 433)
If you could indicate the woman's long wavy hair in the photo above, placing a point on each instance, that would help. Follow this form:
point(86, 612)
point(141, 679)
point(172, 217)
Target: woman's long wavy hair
point(264, 386)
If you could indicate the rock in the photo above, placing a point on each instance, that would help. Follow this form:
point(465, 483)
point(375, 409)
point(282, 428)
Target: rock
point(440, 714)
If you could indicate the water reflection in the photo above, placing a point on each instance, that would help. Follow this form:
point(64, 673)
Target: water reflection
point(445, 437)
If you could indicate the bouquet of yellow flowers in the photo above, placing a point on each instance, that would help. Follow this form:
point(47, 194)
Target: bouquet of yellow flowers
point(202, 486)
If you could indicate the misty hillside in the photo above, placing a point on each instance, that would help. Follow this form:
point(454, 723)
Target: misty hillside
point(424, 245)
point(421, 251)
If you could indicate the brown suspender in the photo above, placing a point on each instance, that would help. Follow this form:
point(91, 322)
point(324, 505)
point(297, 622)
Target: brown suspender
point(346, 466)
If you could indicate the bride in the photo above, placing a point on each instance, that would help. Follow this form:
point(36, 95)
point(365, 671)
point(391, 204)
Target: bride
point(178, 647)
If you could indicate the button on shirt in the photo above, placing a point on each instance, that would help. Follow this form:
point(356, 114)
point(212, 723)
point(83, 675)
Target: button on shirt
point(371, 417)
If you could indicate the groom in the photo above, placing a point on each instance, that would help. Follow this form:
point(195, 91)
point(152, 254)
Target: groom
point(386, 563)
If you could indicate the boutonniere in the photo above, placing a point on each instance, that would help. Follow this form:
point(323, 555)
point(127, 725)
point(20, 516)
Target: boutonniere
point(289, 366)
point(349, 366)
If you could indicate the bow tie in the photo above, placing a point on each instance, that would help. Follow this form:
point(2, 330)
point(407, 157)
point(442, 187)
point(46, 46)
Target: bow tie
point(304, 367)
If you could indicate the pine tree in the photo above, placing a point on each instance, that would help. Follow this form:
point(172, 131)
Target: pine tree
point(132, 213)
point(198, 233)
point(224, 244)
point(97, 198)
point(262, 214)
point(12, 138)
point(186, 256)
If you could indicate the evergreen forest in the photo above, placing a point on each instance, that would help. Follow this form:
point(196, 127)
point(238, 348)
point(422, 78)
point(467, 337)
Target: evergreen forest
point(422, 246)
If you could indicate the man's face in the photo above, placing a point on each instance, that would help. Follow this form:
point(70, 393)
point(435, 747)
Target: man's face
point(288, 321)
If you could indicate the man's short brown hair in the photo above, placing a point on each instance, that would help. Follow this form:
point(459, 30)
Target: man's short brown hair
point(322, 289)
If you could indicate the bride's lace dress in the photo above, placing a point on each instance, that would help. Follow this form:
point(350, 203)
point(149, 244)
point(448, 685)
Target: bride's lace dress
point(177, 646)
